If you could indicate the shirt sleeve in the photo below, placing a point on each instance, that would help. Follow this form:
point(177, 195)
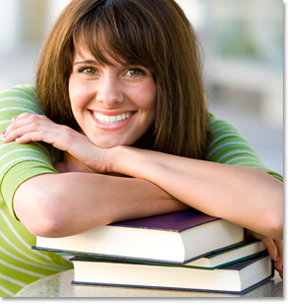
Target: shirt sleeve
point(229, 146)
point(20, 162)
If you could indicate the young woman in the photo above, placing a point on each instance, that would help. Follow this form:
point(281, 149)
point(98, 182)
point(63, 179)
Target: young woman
point(119, 95)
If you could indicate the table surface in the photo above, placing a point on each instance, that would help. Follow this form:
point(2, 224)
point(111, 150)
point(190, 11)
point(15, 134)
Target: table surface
point(59, 285)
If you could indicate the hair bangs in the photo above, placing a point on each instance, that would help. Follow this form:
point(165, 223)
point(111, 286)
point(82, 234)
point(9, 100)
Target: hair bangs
point(116, 30)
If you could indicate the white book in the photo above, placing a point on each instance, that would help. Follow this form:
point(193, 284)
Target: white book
point(235, 278)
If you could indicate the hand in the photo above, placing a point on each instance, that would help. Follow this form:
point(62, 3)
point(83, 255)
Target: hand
point(275, 250)
point(28, 127)
point(71, 164)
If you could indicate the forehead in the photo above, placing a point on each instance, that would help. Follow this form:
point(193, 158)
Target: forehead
point(123, 43)
point(82, 55)
point(98, 51)
point(80, 51)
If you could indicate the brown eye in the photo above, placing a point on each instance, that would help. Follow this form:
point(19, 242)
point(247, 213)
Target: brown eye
point(135, 72)
point(87, 70)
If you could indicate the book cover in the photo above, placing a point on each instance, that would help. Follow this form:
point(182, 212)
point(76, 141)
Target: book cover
point(172, 238)
point(234, 278)
point(249, 249)
point(177, 221)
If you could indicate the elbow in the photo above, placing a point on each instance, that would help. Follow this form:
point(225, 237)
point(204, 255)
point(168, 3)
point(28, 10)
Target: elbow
point(46, 226)
point(40, 214)
point(275, 227)
point(274, 214)
point(274, 220)
point(277, 219)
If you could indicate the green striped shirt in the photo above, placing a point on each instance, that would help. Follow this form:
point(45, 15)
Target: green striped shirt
point(19, 265)
point(229, 146)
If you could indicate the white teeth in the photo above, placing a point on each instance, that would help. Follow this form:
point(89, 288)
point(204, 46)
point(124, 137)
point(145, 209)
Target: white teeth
point(106, 119)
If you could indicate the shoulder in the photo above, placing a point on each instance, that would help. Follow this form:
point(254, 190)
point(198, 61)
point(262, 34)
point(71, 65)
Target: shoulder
point(20, 90)
point(13, 102)
point(224, 134)
point(22, 98)
point(228, 145)
point(216, 125)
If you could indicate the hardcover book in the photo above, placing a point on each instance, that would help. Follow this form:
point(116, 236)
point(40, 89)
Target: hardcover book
point(235, 278)
point(218, 259)
point(172, 238)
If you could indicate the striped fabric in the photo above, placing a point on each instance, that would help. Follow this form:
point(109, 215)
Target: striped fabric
point(19, 265)
point(229, 146)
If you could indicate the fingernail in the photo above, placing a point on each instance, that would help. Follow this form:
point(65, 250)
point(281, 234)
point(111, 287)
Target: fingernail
point(277, 257)
point(3, 134)
point(15, 117)
point(282, 267)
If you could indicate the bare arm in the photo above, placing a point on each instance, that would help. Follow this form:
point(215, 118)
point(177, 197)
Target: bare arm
point(70, 203)
point(245, 196)
point(242, 195)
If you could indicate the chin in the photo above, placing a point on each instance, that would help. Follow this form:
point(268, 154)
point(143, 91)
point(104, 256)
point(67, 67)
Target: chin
point(108, 144)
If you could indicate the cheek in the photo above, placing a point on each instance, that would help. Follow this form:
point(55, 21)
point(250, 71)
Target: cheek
point(79, 94)
point(75, 102)
point(148, 96)
point(74, 91)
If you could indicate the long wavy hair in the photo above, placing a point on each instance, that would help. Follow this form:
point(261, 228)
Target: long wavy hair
point(154, 34)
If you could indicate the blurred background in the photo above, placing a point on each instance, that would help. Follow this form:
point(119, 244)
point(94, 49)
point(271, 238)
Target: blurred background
point(243, 55)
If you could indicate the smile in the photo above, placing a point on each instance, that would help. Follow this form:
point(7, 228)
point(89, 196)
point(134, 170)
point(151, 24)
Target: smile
point(107, 119)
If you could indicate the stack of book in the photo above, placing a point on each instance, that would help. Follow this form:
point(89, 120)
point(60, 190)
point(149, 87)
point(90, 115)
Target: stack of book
point(185, 250)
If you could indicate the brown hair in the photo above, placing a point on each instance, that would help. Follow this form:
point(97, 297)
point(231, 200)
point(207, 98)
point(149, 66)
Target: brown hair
point(154, 34)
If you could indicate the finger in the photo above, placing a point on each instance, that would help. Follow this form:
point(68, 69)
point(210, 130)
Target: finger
point(21, 132)
point(28, 134)
point(25, 115)
point(34, 136)
point(57, 135)
point(268, 243)
point(13, 133)
point(275, 250)
point(279, 263)
point(280, 270)
point(16, 122)
point(25, 124)
point(271, 247)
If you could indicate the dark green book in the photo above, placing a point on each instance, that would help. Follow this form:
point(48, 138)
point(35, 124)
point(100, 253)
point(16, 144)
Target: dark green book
point(234, 278)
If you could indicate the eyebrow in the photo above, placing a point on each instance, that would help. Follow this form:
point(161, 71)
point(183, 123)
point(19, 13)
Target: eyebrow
point(94, 62)
point(89, 62)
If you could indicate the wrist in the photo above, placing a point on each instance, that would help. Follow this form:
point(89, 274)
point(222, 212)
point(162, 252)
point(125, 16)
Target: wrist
point(116, 159)
point(131, 161)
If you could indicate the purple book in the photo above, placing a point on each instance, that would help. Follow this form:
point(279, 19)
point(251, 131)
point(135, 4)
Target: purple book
point(177, 221)
point(169, 238)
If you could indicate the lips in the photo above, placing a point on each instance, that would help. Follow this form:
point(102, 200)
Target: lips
point(110, 119)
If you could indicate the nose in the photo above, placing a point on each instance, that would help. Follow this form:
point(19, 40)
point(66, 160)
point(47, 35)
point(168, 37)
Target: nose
point(109, 92)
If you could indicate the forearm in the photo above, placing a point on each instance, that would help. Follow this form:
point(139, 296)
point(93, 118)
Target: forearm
point(245, 196)
point(71, 203)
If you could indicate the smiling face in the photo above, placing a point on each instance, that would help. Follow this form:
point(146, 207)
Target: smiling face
point(113, 104)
